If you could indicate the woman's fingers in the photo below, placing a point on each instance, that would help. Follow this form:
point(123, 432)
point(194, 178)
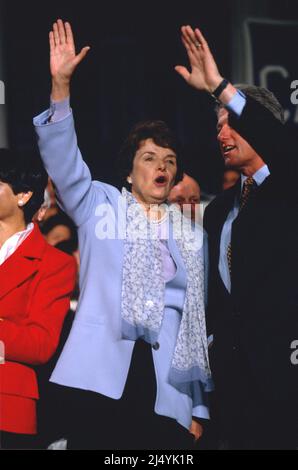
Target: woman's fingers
point(69, 34)
point(61, 31)
point(81, 55)
point(52, 42)
point(196, 430)
point(56, 34)
point(61, 34)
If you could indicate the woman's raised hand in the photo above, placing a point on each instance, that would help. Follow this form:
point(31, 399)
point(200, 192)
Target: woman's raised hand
point(63, 57)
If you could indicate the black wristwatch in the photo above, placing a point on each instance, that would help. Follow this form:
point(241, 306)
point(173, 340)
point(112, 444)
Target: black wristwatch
point(218, 91)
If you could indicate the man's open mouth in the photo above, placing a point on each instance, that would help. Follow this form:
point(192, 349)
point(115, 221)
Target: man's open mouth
point(227, 149)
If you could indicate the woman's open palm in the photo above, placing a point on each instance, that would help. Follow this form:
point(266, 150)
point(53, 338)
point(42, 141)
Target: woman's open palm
point(63, 57)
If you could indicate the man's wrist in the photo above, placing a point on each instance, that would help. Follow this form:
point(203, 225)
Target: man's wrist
point(214, 83)
point(220, 88)
point(227, 94)
point(223, 92)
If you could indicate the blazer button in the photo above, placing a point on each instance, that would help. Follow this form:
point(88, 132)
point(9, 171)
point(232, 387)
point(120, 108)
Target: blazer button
point(156, 346)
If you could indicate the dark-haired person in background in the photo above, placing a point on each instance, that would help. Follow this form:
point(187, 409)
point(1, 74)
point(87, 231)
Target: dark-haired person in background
point(132, 286)
point(252, 231)
point(230, 178)
point(36, 281)
point(187, 194)
point(60, 228)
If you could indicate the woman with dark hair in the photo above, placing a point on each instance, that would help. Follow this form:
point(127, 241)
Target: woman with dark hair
point(139, 334)
point(36, 281)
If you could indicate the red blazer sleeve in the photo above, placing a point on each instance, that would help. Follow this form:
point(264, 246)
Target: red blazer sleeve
point(35, 340)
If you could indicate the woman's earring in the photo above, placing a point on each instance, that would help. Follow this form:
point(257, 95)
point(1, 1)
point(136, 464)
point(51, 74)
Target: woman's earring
point(20, 203)
point(129, 180)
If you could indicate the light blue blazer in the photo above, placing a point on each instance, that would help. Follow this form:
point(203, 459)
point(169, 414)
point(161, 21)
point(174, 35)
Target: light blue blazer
point(95, 357)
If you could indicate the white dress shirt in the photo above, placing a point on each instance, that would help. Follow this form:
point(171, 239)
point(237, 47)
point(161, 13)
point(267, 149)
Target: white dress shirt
point(226, 234)
point(13, 243)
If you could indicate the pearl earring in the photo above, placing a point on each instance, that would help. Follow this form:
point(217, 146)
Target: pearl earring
point(20, 203)
point(129, 180)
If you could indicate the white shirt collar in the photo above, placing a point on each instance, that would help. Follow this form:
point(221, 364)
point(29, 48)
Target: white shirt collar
point(259, 176)
point(12, 244)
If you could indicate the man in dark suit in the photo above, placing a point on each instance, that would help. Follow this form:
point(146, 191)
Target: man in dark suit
point(253, 284)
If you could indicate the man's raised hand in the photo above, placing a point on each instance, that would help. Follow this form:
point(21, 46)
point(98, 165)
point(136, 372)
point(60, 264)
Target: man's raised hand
point(204, 74)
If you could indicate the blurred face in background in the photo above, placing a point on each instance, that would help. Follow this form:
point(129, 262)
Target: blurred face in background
point(187, 192)
point(230, 178)
point(58, 234)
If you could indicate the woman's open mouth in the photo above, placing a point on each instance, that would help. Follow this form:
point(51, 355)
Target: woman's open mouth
point(161, 181)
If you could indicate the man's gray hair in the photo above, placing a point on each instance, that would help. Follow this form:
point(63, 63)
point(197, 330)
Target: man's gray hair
point(265, 97)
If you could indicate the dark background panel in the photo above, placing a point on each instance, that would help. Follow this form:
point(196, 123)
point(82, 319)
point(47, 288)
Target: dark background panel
point(128, 75)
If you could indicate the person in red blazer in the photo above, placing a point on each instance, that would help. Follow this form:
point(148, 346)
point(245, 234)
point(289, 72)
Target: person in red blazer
point(36, 281)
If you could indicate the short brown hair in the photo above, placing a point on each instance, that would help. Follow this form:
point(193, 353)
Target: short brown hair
point(161, 135)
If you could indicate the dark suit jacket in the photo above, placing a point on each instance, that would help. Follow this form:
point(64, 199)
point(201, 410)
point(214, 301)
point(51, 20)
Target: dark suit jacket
point(36, 282)
point(255, 326)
